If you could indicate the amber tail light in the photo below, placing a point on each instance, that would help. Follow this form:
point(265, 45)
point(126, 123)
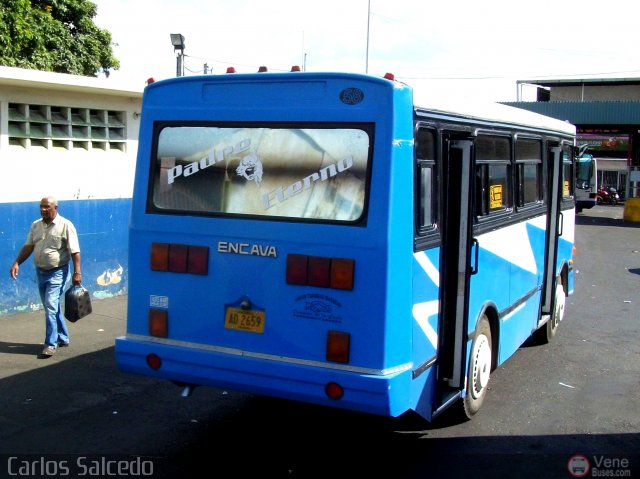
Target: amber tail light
point(158, 323)
point(338, 345)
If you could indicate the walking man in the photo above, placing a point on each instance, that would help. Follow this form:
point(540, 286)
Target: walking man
point(54, 242)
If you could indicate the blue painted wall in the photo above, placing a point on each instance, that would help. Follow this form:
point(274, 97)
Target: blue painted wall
point(103, 231)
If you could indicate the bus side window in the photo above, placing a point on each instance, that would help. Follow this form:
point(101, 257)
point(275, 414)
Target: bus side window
point(528, 172)
point(493, 175)
point(427, 179)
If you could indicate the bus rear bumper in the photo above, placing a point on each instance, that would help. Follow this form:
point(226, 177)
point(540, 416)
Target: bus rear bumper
point(379, 394)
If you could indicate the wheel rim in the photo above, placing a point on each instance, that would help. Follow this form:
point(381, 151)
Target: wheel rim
point(481, 365)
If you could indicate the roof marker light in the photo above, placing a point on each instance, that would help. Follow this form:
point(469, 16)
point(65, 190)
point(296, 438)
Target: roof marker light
point(231, 70)
point(389, 76)
point(295, 68)
point(262, 69)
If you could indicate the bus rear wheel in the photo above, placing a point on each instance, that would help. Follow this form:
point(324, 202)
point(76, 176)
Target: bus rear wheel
point(558, 310)
point(480, 365)
point(546, 333)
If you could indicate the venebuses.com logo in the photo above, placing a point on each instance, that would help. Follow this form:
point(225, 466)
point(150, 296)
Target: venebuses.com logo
point(580, 465)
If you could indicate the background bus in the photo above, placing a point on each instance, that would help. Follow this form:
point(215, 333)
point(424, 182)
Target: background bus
point(586, 181)
point(319, 237)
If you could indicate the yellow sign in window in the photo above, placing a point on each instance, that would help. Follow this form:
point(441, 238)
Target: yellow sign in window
point(496, 199)
point(566, 188)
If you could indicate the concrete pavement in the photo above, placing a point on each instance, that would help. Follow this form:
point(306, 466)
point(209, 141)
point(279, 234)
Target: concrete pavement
point(22, 336)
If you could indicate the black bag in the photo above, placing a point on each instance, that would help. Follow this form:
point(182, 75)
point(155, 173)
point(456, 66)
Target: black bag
point(77, 303)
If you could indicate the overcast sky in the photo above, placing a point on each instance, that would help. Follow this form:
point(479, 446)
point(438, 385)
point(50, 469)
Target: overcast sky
point(469, 48)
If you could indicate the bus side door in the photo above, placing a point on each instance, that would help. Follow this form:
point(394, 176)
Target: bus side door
point(456, 268)
point(554, 225)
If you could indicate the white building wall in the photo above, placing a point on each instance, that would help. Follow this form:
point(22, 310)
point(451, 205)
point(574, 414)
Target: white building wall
point(83, 167)
point(590, 92)
point(74, 138)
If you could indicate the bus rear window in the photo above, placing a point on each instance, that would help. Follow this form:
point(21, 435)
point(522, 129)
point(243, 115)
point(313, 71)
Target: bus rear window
point(304, 173)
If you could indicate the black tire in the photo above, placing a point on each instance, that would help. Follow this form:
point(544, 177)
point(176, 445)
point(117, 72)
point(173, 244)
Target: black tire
point(546, 333)
point(480, 366)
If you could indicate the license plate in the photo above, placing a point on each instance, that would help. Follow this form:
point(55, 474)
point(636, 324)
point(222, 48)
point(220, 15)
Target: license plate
point(244, 320)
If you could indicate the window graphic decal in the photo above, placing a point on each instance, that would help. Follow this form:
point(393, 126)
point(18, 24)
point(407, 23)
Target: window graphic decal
point(315, 174)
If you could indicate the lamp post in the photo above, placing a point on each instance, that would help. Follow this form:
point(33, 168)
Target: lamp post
point(366, 67)
point(177, 40)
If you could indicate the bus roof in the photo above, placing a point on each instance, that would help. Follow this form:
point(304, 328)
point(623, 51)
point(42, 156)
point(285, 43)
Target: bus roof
point(487, 111)
point(490, 111)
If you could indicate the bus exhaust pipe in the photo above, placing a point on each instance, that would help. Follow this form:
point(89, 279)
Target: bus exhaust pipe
point(187, 391)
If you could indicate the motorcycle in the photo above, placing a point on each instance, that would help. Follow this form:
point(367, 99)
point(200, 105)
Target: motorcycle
point(607, 195)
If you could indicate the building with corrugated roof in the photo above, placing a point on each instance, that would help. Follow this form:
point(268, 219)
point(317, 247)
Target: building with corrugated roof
point(606, 112)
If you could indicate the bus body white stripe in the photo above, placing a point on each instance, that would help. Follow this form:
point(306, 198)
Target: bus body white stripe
point(421, 313)
point(428, 267)
point(513, 245)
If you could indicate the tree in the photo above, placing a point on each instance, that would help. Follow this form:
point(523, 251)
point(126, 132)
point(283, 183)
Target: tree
point(54, 35)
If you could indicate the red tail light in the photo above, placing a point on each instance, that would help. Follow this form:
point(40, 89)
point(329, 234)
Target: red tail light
point(160, 257)
point(179, 258)
point(337, 273)
point(154, 361)
point(334, 391)
point(198, 262)
point(319, 273)
point(297, 269)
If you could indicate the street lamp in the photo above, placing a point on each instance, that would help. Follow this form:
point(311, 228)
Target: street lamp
point(366, 68)
point(177, 40)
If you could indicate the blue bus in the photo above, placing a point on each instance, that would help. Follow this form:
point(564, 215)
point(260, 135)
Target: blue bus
point(329, 238)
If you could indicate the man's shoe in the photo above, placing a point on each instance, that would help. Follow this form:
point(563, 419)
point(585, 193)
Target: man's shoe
point(48, 351)
point(62, 345)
